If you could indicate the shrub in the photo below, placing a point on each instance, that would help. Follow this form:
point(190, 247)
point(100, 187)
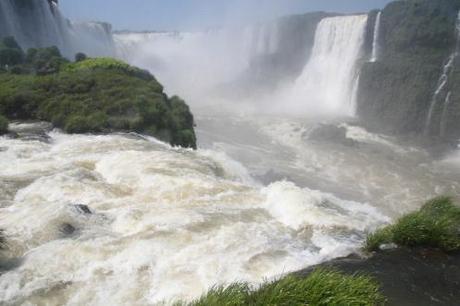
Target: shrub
point(436, 224)
point(93, 96)
point(45, 60)
point(80, 57)
point(86, 124)
point(3, 130)
point(10, 57)
point(321, 287)
point(111, 64)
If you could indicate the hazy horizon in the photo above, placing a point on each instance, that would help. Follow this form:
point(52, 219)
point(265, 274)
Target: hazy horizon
point(138, 15)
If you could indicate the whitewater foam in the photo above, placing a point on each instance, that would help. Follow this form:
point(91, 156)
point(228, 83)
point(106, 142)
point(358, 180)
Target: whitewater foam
point(166, 223)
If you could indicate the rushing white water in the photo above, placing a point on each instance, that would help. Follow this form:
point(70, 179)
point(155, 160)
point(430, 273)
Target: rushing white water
point(165, 223)
point(376, 40)
point(168, 224)
point(443, 82)
point(36, 23)
point(327, 81)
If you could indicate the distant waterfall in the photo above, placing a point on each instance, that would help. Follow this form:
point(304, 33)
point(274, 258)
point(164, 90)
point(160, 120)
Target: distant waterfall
point(329, 80)
point(264, 38)
point(39, 23)
point(442, 85)
point(217, 56)
point(443, 124)
point(376, 41)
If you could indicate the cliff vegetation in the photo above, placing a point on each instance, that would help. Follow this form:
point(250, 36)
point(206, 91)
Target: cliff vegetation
point(89, 95)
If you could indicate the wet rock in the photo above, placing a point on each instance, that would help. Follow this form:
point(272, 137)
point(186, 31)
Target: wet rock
point(41, 137)
point(271, 176)
point(35, 131)
point(408, 276)
point(67, 229)
point(331, 133)
point(83, 209)
point(8, 264)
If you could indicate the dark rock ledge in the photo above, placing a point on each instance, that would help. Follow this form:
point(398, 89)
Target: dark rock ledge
point(408, 276)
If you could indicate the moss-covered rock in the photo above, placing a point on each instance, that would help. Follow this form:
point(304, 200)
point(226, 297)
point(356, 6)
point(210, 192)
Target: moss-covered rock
point(94, 96)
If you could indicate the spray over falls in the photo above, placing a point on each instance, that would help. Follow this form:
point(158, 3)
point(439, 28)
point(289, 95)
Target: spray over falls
point(326, 85)
point(218, 56)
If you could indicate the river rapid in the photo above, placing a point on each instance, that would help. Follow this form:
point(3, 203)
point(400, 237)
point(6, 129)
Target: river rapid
point(258, 199)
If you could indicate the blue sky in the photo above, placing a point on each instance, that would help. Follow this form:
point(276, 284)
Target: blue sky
point(196, 14)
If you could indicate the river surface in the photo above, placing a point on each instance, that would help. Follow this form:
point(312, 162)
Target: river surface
point(260, 198)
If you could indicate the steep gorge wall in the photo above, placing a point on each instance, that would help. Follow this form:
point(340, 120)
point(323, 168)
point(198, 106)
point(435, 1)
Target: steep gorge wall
point(395, 93)
point(39, 23)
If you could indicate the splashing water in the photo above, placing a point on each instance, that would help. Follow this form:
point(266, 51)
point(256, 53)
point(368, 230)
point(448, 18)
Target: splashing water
point(160, 216)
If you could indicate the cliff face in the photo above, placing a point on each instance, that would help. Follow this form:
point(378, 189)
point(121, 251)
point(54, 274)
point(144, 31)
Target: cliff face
point(396, 92)
point(39, 23)
point(296, 37)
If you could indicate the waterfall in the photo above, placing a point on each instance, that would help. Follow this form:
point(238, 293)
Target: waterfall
point(328, 80)
point(39, 23)
point(375, 43)
point(443, 82)
point(218, 56)
point(264, 38)
point(443, 125)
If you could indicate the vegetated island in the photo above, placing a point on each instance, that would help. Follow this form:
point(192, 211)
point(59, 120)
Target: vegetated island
point(90, 95)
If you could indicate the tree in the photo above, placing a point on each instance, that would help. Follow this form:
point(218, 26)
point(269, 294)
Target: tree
point(80, 57)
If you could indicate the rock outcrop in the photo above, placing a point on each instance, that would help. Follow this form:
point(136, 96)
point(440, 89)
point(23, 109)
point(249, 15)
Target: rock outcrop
point(396, 92)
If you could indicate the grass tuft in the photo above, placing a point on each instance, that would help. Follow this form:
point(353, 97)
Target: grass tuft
point(378, 238)
point(436, 224)
point(321, 287)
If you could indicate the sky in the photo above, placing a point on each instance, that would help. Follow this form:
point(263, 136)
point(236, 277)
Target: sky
point(199, 14)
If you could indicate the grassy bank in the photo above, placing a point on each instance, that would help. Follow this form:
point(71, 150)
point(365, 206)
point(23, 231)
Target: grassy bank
point(321, 287)
point(436, 225)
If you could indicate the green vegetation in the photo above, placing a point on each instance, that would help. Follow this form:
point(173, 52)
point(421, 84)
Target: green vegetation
point(92, 96)
point(80, 57)
point(436, 224)
point(321, 287)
